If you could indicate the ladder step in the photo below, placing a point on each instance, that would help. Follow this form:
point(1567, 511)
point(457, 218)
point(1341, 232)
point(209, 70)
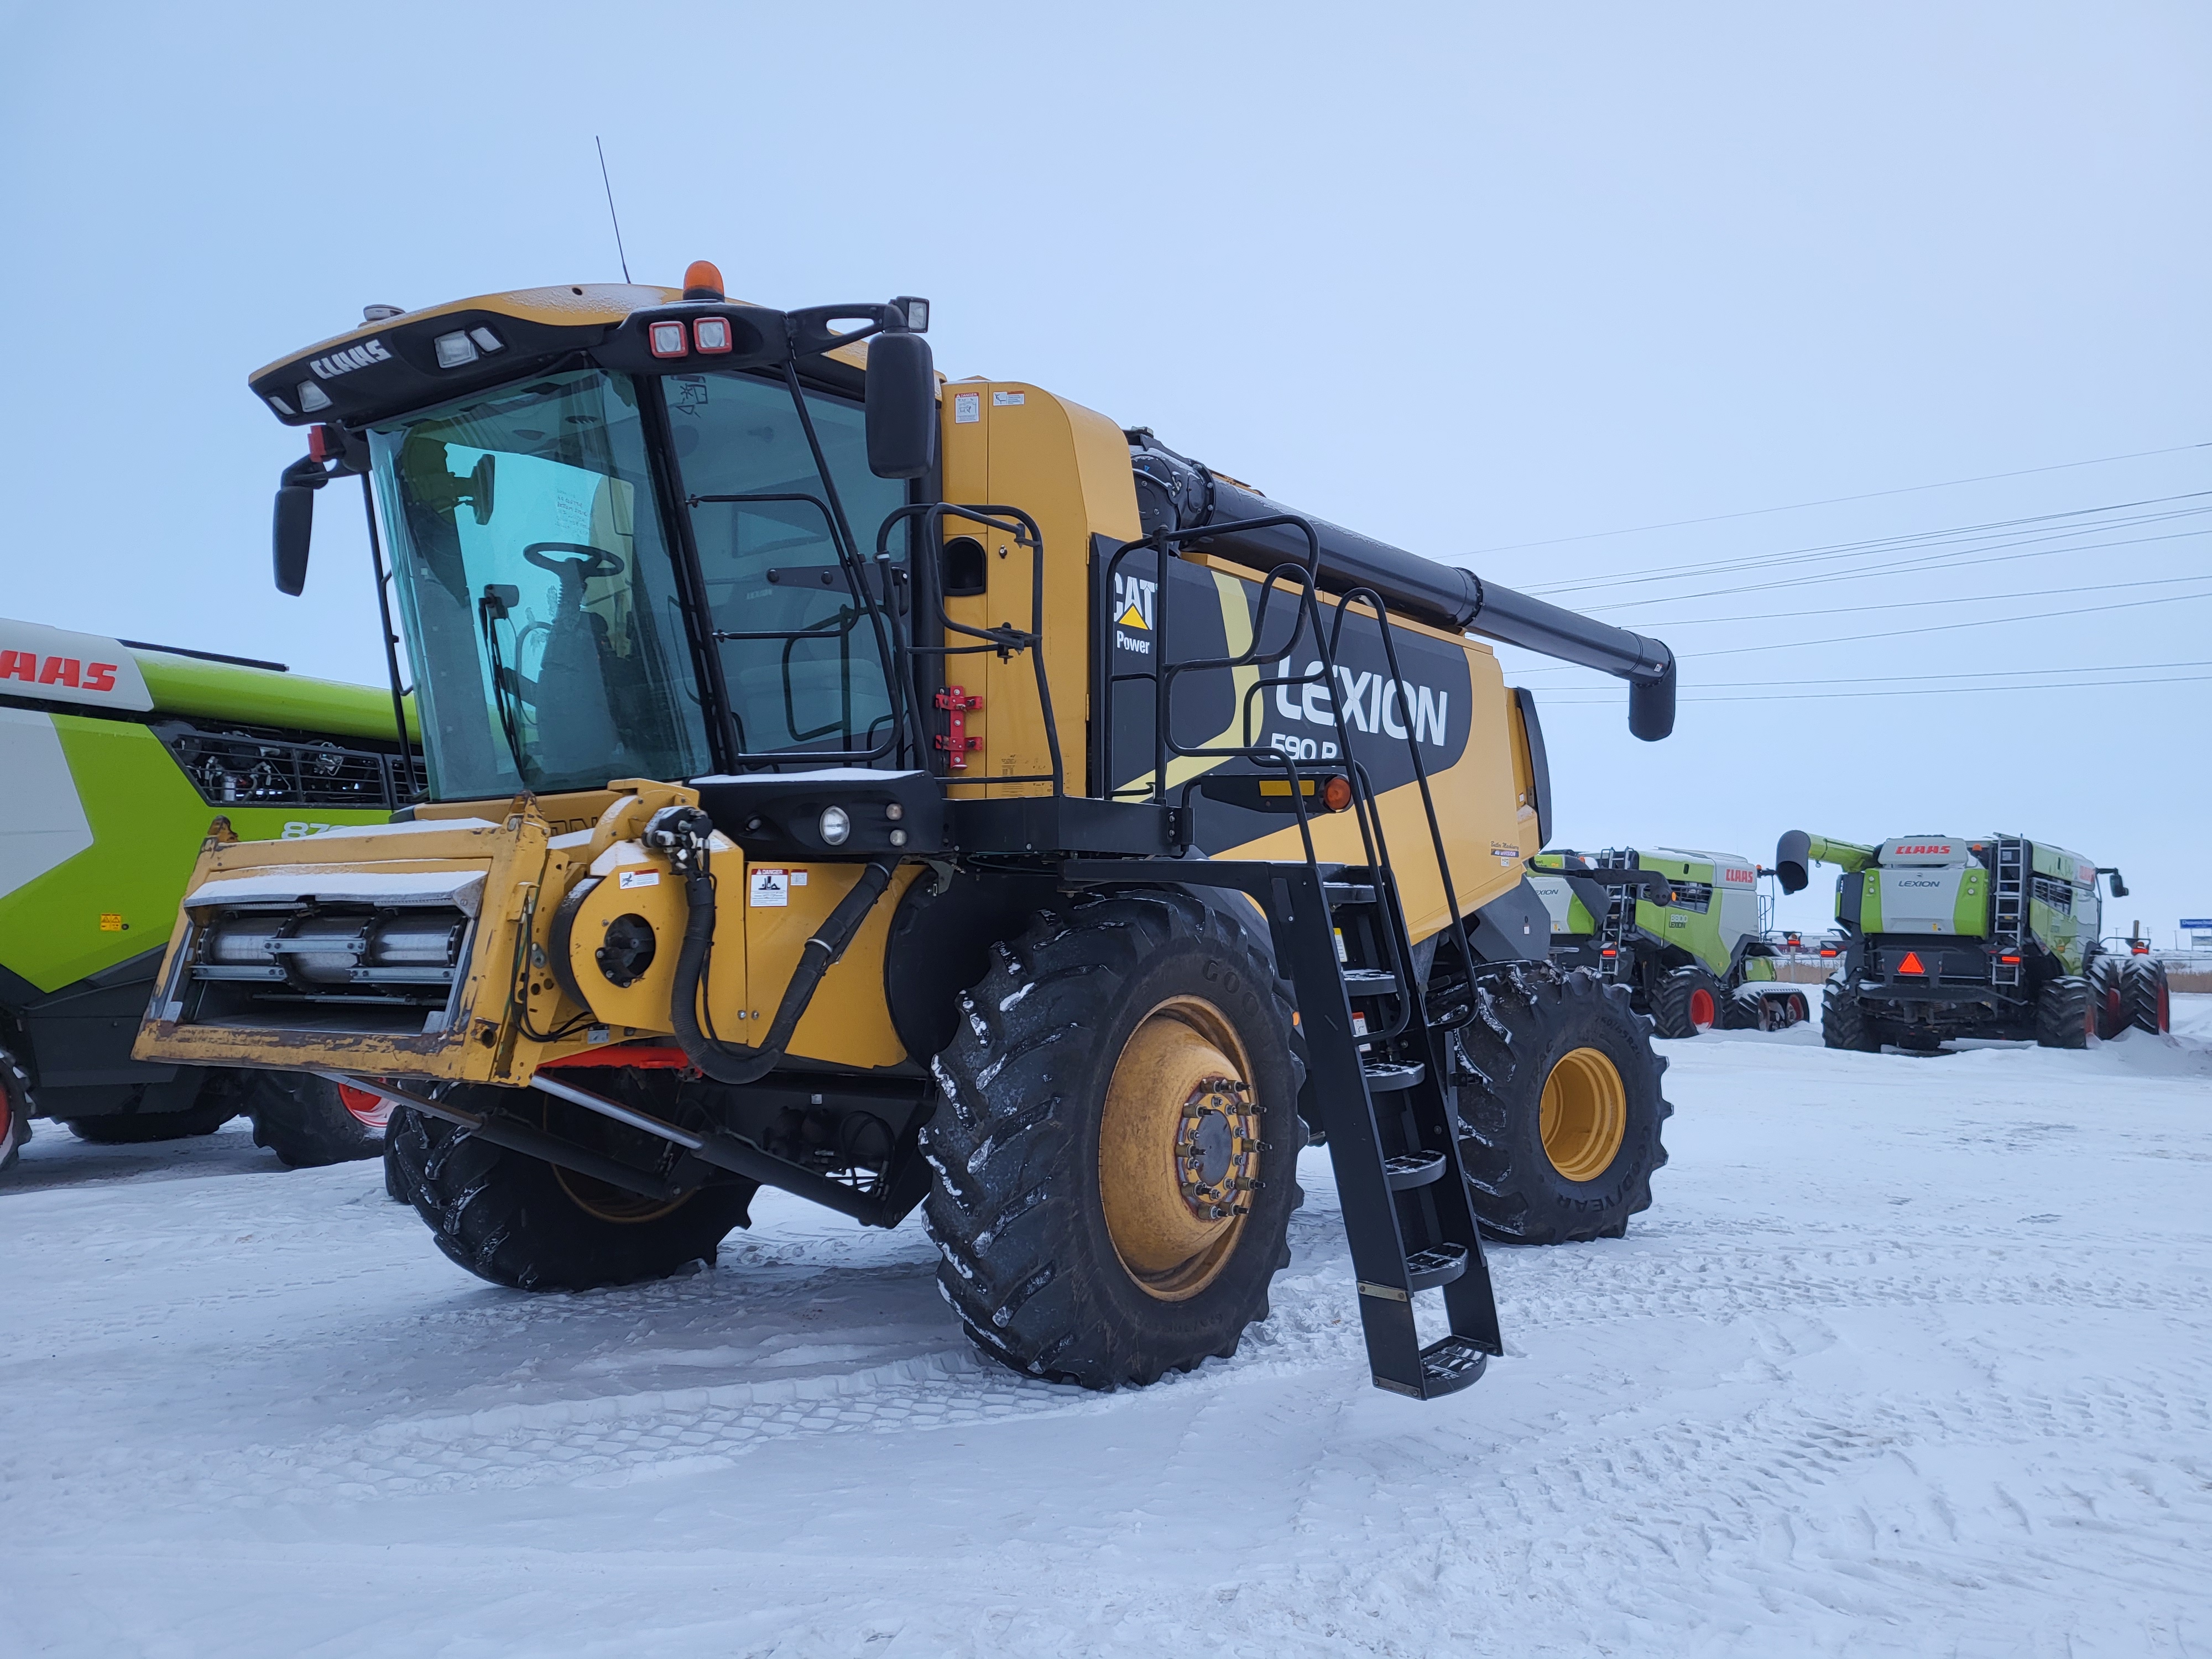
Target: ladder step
point(1338, 893)
point(1439, 1264)
point(1449, 1365)
point(1370, 982)
point(1414, 1170)
point(1382, 1080)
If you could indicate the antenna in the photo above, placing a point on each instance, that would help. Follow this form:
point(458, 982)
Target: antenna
point(610, 206)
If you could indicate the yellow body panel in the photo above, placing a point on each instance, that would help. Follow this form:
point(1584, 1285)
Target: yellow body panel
point(848, 1023)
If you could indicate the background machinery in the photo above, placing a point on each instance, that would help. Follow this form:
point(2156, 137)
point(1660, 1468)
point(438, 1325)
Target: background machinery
point(117, 756)
point(1996, 936)
point(1684, 931)
point(918, 795)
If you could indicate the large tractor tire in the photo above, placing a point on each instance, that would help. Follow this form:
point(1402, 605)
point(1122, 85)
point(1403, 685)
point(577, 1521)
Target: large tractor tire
point(1843, 1019)
point(1686, 1002)
point(1559, 1106)
point(2144, 996)
point(2065, 1015)
point(309, 1122)
point(15, 1109)
point(137, 1128)
point(2105, 974)
point(520, 1222)
point(1115, 1145)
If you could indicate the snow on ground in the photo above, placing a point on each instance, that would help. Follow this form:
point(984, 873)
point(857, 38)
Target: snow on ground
point(1912, 1357)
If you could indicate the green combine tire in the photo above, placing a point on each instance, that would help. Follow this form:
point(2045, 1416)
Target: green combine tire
point(1117, 1072)
point(2066, 1014)
point(304, 1122)
point(15, 1109)
point(136, 1129)
point(1844, 1021)
point(2105, 974)
point(520, 1222)
point(1559, 1105)
point(2144, 997)
point(1686, 1002)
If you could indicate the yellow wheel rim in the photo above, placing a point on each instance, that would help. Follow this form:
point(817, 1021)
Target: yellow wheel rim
point(1178, 1148)
point(604, 1201)
point(1585, 1115)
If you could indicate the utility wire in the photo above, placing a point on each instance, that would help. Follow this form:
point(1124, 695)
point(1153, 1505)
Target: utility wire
point(1925, 691)
point(1834, 500)
point(1919, 604)
point(1962, 674)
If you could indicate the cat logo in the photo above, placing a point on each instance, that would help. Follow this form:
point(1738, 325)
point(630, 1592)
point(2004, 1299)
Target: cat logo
point(1133, 600)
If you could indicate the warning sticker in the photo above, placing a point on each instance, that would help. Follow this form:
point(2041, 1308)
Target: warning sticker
point(966, 408)
point(1007, 399)
point(766, 887)
point(640, 879)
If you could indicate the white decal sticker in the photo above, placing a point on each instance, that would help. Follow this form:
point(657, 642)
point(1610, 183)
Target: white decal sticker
point(640, 879)
point(767, 888)
point(966, 408)
point(1004, 399)
point(797, 878)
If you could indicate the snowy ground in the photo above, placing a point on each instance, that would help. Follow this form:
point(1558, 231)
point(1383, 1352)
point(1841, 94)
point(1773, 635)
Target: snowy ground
point(1912, 1356)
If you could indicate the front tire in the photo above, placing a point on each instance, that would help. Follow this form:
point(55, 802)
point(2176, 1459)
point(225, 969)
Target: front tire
point(520, 1222)
point(2065, 1016)
point(1115, 1147)
point(2105, 976)
point(1559, 1107)
point(15, 1109)
point(2146, 1002)
point(1686, 1002)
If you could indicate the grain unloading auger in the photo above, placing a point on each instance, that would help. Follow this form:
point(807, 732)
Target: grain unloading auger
point(908, 794)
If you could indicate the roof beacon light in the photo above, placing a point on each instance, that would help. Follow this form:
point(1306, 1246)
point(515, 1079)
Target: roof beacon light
point(711, 334)
point(702, 280)
point(455, 351)
point(667, 339)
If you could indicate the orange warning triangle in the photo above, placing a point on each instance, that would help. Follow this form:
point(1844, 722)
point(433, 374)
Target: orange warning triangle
point(1911, 963)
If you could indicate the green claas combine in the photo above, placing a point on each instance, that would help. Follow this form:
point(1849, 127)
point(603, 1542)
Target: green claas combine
point(1683, 930)
point(1949, 937)
point(117, 758)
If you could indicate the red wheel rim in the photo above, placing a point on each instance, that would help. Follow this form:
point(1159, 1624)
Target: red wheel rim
point(373, 1111)
point(1701, 1008)
point(2165, 1011)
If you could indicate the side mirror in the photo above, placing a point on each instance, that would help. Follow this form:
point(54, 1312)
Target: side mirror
point(480, 489)
point(2119, 887)
point(902, 406)
point(293, 527)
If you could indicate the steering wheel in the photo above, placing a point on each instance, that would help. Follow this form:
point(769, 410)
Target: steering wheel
point(588, 562)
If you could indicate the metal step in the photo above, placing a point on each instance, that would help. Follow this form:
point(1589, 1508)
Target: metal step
point(1370, 982)
point(1387, 1078)
point(1413, 1170)
point(1341, 893)
point(1449, 1365)
point(1439, 1264)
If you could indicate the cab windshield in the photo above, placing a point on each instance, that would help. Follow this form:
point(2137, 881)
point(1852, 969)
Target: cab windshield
point(538, 591)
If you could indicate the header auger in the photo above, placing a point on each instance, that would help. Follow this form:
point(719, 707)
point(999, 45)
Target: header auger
point(819, 760)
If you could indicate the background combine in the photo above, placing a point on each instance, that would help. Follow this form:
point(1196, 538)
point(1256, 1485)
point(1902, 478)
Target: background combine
point(117, 756)
point(1995, 937)
point(820, 761)
point(1686, 931)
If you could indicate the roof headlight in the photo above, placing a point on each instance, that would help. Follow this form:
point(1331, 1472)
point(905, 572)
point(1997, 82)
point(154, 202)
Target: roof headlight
point(836, 826)
point(487, 342)
point(712, 334)
point(667, 340)
point(455, 349)
point(313, 397)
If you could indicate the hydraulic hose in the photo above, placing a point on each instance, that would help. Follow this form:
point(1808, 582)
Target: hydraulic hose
point(683, 831)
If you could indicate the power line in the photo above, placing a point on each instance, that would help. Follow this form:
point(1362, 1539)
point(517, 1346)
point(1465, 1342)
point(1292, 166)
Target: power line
point(1962, 674)
point(1835, 501)
point(1917, 604)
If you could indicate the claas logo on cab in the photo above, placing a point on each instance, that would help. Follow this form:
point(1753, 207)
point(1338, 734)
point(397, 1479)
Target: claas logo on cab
point(56, 670)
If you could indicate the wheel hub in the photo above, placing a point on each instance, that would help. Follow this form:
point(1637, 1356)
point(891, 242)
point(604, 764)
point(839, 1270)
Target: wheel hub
point(1214, 1147)
point(1178, 1148)
point(1584, 1115)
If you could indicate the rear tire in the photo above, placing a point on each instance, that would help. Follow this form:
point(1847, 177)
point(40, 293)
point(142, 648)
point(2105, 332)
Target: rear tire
point(2065, 1016)
point(1559, 1106)
point(1072, 1244)
point(1843, 1019)
point(2146, 1002)
point(306, 1122)
point(520, 1222)
point(1686, 1002)
point(2105, 975)
point(135, 1128)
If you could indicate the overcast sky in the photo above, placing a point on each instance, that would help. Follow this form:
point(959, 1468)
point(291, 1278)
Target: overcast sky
point(1504, 285)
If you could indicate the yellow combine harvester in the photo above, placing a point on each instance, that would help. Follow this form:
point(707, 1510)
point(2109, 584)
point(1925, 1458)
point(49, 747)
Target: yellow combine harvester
point(902, 792)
